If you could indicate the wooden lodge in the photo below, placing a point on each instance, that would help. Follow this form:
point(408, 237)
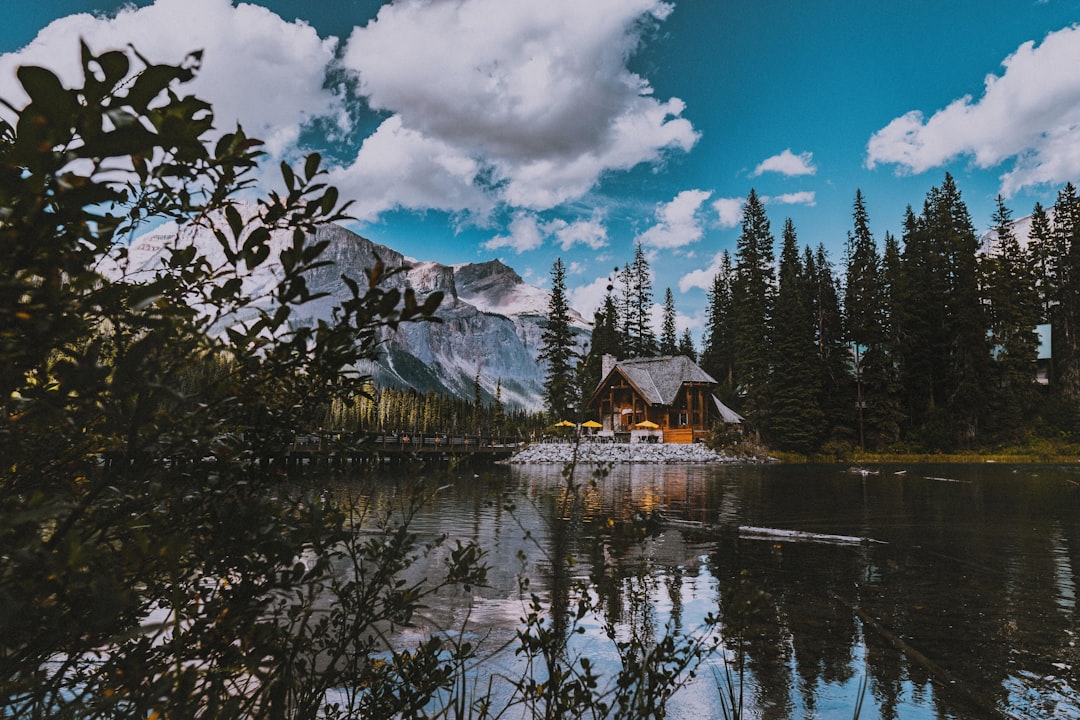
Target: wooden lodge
point(672, 393)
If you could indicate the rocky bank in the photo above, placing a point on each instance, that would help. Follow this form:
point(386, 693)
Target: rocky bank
point(621, 453)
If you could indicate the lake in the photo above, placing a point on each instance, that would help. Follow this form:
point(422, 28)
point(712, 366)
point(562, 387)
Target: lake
point(949, 591)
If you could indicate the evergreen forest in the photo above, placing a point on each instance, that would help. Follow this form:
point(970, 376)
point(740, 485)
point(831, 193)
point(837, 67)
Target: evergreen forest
point(931, 342)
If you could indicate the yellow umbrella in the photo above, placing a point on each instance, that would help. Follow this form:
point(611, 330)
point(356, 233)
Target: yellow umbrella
point(647, 425)
point(565, 423)
point(591, 424)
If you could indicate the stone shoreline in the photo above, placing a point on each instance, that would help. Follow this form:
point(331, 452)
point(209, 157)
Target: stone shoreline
point(623, 453)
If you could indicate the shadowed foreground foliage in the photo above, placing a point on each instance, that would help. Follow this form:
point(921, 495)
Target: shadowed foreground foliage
point(149, 565)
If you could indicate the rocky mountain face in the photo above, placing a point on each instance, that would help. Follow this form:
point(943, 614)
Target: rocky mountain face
point(491, 320)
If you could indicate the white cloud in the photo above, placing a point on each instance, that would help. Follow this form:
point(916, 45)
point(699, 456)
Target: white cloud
point(591, 233)
point(701, 278)
point(787, 163)
point(401, 168)
point(805, 197)
point(1029, 114)
point(678, 222)
point(257, 69)
point(729, 210)
point(588, 298)
point(538, 93)
point(525, 234)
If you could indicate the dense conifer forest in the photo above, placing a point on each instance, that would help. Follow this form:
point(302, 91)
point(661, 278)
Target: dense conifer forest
point(929, 342)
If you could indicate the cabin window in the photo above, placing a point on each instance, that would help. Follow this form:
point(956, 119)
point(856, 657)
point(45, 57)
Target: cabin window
point(682, 419)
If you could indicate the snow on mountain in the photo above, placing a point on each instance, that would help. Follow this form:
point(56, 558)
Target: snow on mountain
point(491, 320)
point(494, 287)
point(1021, 228)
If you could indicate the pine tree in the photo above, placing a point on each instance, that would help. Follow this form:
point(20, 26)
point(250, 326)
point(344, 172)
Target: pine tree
point(686, 345)
point(606, 340)
point(557, 349)
point(1041, 250)
point(641, 337)
point(751, 310)
point(668, 342)
point(1066, 313)
point(968, 350)
point(1013, 304)
point(795, 419)
point(946, 356)
point(862, 308)
point(628, 338)
point(498, 414)
point(836, 392)
point(718, 346)
point(477, 405)
point(885, 406)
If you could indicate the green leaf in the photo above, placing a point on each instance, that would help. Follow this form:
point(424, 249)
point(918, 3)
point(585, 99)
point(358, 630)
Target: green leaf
point(311, 166)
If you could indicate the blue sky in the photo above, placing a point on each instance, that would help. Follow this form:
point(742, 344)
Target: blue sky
point(473, 129)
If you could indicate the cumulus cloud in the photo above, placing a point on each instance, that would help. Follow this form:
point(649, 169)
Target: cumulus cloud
point(679, 222)
point(1029, 114)
point(538, 93)
point(805, 197)
point(701, 278)
point(588, 298)
point(399, 168)
point(787, 163)
point(591, 233)
point(258, 69)
point(525, 234)
point(528, 232)
point(729, 210)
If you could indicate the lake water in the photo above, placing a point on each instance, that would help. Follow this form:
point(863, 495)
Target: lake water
point(961, 603)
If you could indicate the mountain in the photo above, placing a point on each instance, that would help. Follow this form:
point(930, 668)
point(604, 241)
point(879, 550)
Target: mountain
point(491, 320)
point(1021, 228)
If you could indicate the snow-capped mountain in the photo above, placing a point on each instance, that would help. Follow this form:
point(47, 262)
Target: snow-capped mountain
point(1021, 228)
point(491, 319)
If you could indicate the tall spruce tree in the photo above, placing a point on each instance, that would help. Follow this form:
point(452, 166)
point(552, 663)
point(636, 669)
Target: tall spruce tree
point(558, 351)
point(946, 356)
point(1066, 312)
point(641, 338)
point(795, 418)
point(686, 345)
point(968, 349)
point(885, 406)
point(751, 310)
point(1013, 303)
point(669, 344)
point(1041, 249)
point(836, 393)
point(921, 302)
point(718, 347)
point(862, 309)
point(606, 340)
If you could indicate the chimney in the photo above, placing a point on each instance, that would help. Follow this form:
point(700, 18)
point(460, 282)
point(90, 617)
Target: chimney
point(607, 364)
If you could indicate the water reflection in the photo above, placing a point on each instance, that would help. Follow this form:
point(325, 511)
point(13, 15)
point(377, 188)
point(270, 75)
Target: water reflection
point(975, 576)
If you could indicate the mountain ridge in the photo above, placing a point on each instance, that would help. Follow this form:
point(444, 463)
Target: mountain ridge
point(490, 324)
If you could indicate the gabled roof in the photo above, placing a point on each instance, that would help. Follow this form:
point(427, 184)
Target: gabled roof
point(727, 414)
point(658, 379)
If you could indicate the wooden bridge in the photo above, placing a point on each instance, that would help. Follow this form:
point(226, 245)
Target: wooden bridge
point(340, 449)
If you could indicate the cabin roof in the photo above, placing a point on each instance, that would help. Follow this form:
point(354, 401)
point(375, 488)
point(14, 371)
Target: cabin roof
point(658, 379)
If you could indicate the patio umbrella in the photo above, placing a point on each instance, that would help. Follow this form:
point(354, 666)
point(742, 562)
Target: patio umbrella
point(647, 425)
point(565, 423)
point(591, 424)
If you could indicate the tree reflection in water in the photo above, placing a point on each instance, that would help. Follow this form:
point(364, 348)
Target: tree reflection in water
point(977, 574)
